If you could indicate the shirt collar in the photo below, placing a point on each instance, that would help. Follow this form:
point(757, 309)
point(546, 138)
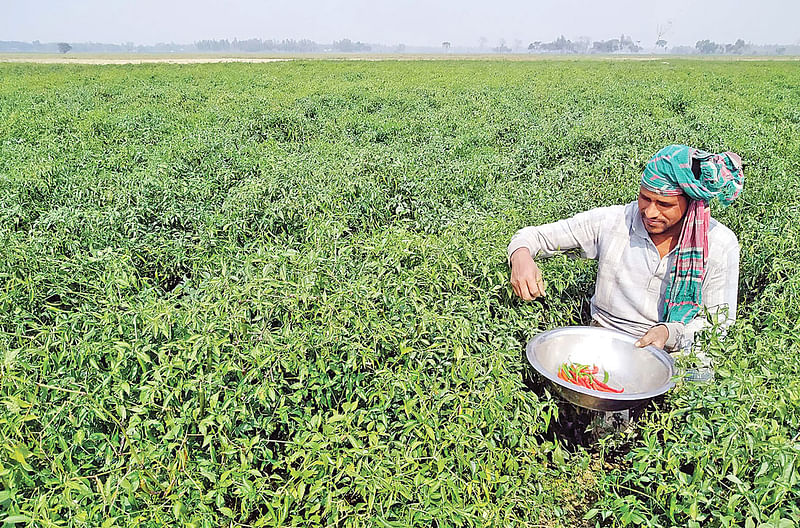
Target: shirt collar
point(637, 226)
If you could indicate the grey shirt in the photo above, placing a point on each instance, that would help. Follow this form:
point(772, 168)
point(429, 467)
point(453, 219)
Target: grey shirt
point(631, 276)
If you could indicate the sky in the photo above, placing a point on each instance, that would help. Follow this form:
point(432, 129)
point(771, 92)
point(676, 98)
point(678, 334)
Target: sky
point(464, 23)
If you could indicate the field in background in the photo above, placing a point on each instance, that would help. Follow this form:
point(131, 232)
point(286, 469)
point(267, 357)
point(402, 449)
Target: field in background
point(276, 294)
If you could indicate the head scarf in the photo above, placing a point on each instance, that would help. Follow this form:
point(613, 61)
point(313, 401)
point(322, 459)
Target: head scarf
point(669, 173)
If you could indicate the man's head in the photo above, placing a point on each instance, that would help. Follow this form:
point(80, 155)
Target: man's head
point(699, 175)
point(677, 175)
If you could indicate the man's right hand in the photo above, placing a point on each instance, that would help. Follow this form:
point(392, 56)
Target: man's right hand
point(526, 277)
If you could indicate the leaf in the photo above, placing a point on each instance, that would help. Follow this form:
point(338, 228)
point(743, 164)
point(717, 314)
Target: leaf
point(558, 454)
point(733, 478)
point(16, 519)
point(20, 453)
point(429, 432)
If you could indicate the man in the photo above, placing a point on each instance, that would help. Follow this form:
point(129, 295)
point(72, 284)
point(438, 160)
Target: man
point(663, 262)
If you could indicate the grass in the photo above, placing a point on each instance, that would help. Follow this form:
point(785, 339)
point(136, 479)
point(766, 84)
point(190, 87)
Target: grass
point(276, 294)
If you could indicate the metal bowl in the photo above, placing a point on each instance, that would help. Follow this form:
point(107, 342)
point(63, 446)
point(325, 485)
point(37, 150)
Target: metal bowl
point(643, 373)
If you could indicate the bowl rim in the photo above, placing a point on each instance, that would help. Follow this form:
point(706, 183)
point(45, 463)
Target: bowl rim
point(659, 353)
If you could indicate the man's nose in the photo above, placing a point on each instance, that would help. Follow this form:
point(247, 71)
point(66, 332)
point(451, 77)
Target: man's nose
point(651, 211)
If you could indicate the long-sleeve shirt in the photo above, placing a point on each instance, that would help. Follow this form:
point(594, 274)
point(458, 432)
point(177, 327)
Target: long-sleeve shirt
point(632, 277)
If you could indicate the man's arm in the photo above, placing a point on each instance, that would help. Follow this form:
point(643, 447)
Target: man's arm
point(720, 291)
point(580, 231)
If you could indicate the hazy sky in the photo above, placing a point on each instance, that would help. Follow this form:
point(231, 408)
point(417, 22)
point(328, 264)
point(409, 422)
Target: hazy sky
point(420, 22)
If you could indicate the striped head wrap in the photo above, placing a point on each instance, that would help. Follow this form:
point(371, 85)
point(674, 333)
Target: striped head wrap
point(669, 173)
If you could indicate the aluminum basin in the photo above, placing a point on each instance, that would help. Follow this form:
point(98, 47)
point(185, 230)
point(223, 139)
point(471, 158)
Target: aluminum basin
point(644, 373)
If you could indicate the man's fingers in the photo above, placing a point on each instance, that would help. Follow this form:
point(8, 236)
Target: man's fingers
point(515, 287)
point(528, 288)
point(534, 289)
point(527, 294)
point(541, 285)
point(539, 282)
point(521, 289)
point(656, 336)
point(526, 279)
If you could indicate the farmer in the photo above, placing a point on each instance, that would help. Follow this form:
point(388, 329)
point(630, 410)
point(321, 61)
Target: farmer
point(663, 262)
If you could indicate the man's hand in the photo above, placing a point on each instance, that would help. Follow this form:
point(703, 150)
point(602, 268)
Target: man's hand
point(656, 336)
point(526, 278)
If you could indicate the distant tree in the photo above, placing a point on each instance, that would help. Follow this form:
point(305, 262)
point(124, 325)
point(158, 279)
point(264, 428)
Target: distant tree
point(400, 48)
point(626, 43)
point(348, 45)
point(559, 45)
point(780, 50)
point(708, 47)
point(661, 43)
point(737, 47)
point(606, 46)
point(445, 46)
point(535, 45)
point(562, 44)
point(63, 47)
point(343, 45)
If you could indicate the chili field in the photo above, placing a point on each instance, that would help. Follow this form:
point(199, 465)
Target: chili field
point(277, 294)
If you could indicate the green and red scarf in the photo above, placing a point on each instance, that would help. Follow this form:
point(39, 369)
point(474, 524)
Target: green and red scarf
point(669, 173)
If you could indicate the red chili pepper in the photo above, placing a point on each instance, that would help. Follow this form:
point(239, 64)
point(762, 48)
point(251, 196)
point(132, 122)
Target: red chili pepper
point(583, 376)
point(606, 388)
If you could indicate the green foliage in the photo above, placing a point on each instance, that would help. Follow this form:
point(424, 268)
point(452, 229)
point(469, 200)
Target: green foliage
point(276, 294)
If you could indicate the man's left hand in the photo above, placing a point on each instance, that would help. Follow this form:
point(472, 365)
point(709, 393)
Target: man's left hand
point(656, 336)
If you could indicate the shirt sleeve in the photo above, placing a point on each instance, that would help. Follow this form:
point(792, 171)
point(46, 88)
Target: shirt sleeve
point(580, 231)
point(720, 290)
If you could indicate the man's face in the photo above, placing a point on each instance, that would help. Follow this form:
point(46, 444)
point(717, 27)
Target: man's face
point(661, 214)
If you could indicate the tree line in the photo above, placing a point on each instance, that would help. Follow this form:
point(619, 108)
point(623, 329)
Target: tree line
point(581, 45)
point(625, 44)
point(285, 45)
